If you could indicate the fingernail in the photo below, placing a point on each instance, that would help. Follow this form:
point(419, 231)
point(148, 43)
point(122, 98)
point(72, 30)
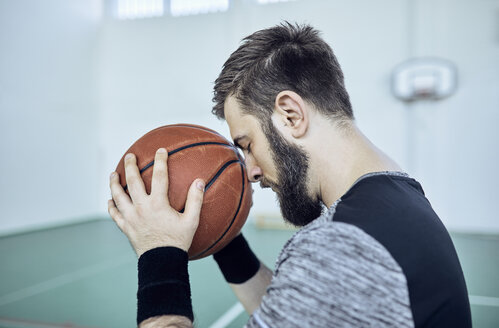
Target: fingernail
point(200, 185)
point(128, 156)
point(161, 150)
point(113, 174)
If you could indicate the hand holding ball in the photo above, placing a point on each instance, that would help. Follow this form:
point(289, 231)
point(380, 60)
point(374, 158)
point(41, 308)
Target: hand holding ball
point(198, 152)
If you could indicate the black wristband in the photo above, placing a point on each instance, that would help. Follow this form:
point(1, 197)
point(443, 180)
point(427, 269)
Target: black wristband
point(164, 287)
point(237, 262)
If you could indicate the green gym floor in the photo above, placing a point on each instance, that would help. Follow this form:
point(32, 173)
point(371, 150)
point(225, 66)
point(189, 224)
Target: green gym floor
point(84, 275)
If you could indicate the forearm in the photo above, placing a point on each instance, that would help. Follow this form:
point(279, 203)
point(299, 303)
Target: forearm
point(251, 292)
point(167, 321)
point(246, 275)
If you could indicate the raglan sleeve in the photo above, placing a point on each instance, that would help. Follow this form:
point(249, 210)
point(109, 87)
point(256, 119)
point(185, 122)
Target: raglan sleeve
point(326, 278)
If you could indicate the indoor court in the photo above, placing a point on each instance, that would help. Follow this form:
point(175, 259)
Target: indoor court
point(84, 275)
point(82, 80)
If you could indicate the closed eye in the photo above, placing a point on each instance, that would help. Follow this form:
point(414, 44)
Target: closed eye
point(237, 143)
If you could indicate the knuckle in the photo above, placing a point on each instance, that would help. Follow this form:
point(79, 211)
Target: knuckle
point(160, 173)
point(132, 181)
point(140, 209)
point(113, 213)
point(116, 203)
point(119, 217)
point(129, 165)
point(158, 167)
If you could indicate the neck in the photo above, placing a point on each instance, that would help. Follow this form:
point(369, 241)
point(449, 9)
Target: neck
point(340, 162)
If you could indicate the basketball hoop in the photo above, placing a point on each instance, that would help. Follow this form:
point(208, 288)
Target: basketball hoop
point(424, 79)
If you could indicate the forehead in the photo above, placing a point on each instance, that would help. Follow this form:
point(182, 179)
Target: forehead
point(240, 124)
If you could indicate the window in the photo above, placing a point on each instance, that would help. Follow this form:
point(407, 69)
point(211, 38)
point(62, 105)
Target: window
point(194, 7)
point(262, 2)
point(132, 9)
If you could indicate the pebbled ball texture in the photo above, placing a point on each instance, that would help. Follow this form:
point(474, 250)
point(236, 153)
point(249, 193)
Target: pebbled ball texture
point(198, 152)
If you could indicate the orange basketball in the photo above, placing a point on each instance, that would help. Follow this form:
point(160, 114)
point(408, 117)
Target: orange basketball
point(198, 152)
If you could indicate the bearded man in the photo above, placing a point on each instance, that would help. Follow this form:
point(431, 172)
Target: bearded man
point(370, 251)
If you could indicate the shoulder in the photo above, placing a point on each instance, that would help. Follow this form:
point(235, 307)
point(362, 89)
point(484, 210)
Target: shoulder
point(328, 272)
point(332, 247)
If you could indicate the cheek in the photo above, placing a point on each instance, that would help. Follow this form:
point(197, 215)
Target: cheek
point(268, 167)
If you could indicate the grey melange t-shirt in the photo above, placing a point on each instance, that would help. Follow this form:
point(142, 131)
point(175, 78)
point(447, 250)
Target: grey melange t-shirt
point(379, 257)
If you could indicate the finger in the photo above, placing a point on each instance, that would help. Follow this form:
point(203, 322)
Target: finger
point(115, 214)
point(121, 199)
point(134, 181)
point(159, 183)
point(194, 201)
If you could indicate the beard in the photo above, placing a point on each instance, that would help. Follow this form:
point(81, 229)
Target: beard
point(291, 162)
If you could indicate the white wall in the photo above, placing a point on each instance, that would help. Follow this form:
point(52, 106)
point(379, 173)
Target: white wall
point(48, 112)
point(456, 141)
point(76, 91)
point(160, 71)
point(155, 72)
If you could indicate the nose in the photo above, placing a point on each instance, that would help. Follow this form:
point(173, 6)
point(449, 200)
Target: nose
point(255, 174)
point(254, 171)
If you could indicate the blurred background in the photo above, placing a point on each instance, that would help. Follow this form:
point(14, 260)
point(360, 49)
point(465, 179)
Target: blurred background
point(81, 80)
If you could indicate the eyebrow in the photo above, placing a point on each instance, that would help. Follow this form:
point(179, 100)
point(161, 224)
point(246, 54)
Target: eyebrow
point(237, 140)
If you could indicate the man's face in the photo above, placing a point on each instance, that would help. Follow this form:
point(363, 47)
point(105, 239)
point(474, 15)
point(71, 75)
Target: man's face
point(275, 162)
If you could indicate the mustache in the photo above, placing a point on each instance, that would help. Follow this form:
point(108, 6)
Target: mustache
point(267, 184)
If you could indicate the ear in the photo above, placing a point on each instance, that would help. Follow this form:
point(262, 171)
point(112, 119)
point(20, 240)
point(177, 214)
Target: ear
point(292, 112)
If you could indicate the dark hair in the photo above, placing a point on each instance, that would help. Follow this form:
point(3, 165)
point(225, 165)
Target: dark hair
point(283, 57)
